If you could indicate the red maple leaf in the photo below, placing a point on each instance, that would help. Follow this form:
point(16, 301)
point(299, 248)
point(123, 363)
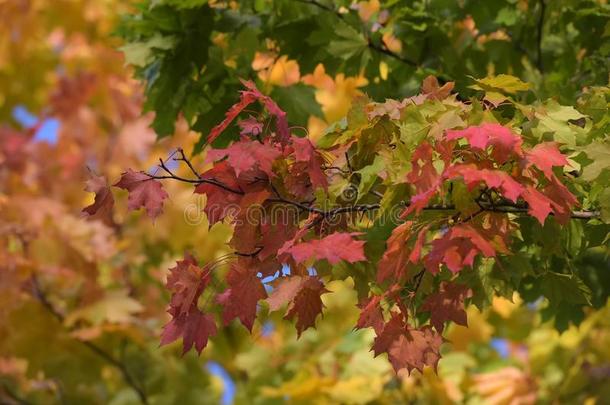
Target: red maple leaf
point(247, 97)
point(143, 192)
point(194, 327)
point(447, 305)
point(242, 296)
point(457, 248)
point(304, 151)
point(539, 205)
point(408, 348)
point(247, 222)
point(393, 264)
point(420, 201)
point(243, 156)
point(562, 200)
point(250, 126)
point(186, 281)
point(104, 201)
point(307, 304)
point(497, 179)
point(423, 175)
point(504, 142)
point(545, 156)
point(390, 332)
point(276, 231)
point(281, 123)
point(415, 254)
point(416, 349)
point(334, 248)
point(223, 192)
point(371, 314)
point(284, 291)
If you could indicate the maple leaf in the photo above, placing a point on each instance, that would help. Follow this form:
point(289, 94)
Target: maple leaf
point(284, 291)
point(562, 200)
point(186, 281)
point(247, 222)
point(396, 256)
point(104, 201)
point(431, 88)
point(334, 248)
point(250, 126)
point(545, 156)
point(242, 296)
point(194, 327)
point(420, 201)
point(423, 175)
point(243, 156)
point(415, 254)
point(447, 305)
point(280, 115)
point(539, 205)
point(219, 198)
point(245, 100)
point(304, 151)
point(408, 348)
point(390, 332)
point(143, 192)
point(416, 349)
point(371, 314)
point(497, 179)
point(307, 304)
point(457, 248)
point(504, 142)
point(275, 233)
point(247, 97)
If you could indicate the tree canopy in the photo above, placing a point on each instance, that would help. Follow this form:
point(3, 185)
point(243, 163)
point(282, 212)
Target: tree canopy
point(335, 202)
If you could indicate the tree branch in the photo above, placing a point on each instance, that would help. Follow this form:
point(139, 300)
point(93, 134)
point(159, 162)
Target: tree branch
point(386, 51)
point(127, 377)
point(489, 206)
point(380, 49)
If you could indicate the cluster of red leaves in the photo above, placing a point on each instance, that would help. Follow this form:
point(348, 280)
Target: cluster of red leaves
point(489, 158)
point(279, 170)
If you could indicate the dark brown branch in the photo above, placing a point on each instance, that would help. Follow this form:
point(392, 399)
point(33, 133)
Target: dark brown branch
point(515, 209)
point(188, 162)
point(483, 205)
point(251, 254)
point(387, 52)
point(322, 6)
point(380, 49)
point(129, 380)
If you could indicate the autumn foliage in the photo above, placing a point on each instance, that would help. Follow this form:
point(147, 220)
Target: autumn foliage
point(280, 201)
point(483, 180)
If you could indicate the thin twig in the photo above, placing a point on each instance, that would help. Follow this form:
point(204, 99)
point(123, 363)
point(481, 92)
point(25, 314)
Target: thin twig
point(322, 6)
point(515, 209)
point(380, 49)
point(386, 51)
point(188, 162)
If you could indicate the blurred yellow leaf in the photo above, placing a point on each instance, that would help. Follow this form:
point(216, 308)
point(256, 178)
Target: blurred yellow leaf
point(115, 307)
point(335, 96)
point(283, 72)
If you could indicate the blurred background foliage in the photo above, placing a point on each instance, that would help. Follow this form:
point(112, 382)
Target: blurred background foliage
point(82, 302)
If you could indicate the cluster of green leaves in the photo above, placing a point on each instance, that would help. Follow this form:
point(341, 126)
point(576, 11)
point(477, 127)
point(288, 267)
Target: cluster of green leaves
point(191, 53)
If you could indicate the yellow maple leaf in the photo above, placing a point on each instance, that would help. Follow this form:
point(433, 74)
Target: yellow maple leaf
point(334, 95)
